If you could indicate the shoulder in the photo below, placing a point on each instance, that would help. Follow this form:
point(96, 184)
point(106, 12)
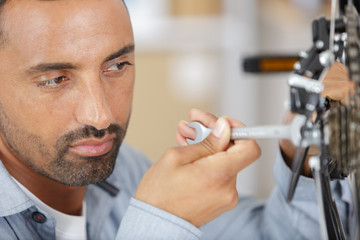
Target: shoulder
point(130, 159)
point(130, 167)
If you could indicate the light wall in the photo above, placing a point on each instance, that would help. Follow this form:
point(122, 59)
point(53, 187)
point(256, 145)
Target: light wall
point(177, 69)
point(196, 8)
point(158, 105)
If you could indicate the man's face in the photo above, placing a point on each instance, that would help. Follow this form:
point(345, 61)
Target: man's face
point(66, 86)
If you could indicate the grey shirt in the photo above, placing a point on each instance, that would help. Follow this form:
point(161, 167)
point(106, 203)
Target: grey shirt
point(108, 211)
point(18, 214)
point(251, 219)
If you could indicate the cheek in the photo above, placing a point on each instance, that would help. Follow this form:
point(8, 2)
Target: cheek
point(21, 108)
point(40, 116)
point(120, 104)
point(120, 98)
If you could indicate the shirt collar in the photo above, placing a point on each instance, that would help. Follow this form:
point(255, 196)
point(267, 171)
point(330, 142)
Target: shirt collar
point(12, 199)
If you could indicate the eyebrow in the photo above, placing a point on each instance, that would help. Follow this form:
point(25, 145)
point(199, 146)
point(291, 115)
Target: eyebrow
point(125, 50)
point(46, 67)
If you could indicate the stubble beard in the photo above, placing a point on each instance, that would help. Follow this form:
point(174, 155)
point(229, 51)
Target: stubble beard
point(63, 166)
point(75, 170)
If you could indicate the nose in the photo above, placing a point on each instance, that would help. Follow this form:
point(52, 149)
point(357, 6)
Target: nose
point(93, 109)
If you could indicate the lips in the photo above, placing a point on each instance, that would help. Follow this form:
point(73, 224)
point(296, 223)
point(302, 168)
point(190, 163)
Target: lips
point(93, 147)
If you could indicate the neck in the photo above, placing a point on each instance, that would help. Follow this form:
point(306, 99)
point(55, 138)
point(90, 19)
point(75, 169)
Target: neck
point(63, 198)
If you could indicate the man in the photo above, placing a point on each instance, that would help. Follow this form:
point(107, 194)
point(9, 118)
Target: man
point(66, 76)
point(66, 85)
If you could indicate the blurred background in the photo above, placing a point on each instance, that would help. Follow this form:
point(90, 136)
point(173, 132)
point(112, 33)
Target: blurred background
point(189, 55)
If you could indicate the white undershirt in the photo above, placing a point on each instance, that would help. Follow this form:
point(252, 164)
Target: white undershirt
point(67, 227)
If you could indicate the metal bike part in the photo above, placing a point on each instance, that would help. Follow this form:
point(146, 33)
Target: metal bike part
point(314, 163)
point(310, 85)
point(291, 132)
point(330, 223)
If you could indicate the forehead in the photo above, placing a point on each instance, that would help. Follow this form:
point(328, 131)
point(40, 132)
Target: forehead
point(44, 28)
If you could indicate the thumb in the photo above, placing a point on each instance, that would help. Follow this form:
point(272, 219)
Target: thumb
point(217, 141)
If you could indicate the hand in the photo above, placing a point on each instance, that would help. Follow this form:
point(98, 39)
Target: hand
point(337, 87)
point(198, 182)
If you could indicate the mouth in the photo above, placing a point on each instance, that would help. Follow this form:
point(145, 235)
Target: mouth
point(93, 147)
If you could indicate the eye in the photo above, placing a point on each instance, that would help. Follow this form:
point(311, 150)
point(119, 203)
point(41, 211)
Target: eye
point(53, 82)
point(118, 66)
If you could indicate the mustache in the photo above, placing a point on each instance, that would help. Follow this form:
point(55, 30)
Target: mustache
point(87, 132)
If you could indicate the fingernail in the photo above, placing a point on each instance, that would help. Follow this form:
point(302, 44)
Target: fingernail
point(184, 122)
point(219, 127)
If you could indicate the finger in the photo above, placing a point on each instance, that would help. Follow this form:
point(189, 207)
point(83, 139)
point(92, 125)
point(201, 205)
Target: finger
point(337, 85)
point(236, 158)
point(205, 118)
point(185, 131)
point(234, 122)
point(217, 141)
point(338, 70)
point(180, 140)
point(339, 91)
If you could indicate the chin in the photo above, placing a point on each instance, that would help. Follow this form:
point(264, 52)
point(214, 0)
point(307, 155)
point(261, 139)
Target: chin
point(82, 171)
